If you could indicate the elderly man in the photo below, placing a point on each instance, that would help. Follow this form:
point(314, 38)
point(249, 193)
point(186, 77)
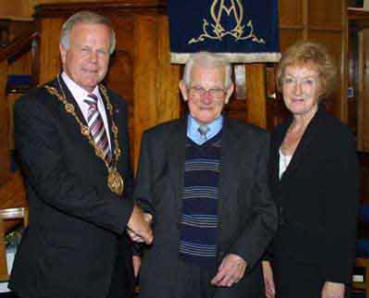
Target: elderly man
point(71, 135)
point(204, 180)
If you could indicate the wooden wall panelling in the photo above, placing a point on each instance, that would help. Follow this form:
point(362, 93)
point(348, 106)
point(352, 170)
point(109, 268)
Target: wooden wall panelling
point(16, 8)
point(292, 22)
point(120, 75)
point(22, 64)
point(17, 27)
point(11, 98)
point(324, 21)
point(3, 264)
point(144, 110)
point(333, 40)
point(327, 23)
point(290, 12)
point(16, 64)
point(236, 108)
point(353, 83)
point(358, 105)
point(4, 125)
point(50, 18)
point(276, 110)
point(156, 81)
point(49, 48)
point(256, 94)
point(12, 192)
point(170, 74)
point(288, 36)
point(326, 14)
point(363, 79)
point(16, 59)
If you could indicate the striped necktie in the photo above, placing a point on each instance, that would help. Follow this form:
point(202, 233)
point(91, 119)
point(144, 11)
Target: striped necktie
point(203, 129)
point(97, 128)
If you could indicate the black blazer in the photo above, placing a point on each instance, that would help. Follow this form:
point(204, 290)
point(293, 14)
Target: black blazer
point(247, 213)
point(317, 197)
point(75, 234)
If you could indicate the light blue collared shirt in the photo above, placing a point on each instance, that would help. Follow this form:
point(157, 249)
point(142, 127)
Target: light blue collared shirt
point(193, 133)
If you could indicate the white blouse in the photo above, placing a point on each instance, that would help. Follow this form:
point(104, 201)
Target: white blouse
point(284, 161)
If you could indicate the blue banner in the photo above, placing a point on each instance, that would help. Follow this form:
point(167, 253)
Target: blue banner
point(243, 30)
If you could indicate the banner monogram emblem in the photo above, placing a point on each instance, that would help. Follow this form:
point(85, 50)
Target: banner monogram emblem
point(217, 31)
point(243, 31)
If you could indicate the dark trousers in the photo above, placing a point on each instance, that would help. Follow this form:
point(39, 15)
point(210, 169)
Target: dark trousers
point(193, 281)
point(296, 279)
point(122, 283)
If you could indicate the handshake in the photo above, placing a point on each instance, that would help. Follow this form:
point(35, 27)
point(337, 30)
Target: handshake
point(138, 226)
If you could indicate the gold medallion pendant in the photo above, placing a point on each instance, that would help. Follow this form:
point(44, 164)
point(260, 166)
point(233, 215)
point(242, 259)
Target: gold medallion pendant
point(115, 182)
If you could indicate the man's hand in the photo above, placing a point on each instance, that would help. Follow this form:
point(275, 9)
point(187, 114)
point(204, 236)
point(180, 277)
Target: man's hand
point(148, 218)
point(135, 237)
point(138, 227)
point(230, 271)
point(333, 290)
point(268, 280)
point(136, 263)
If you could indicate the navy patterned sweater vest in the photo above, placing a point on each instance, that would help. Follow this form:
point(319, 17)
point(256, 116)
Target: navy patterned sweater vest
point(199, 221)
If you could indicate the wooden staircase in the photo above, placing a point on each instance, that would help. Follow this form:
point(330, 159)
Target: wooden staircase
point(18, 73)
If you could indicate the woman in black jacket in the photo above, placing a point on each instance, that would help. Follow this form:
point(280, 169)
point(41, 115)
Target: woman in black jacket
point(314, 179)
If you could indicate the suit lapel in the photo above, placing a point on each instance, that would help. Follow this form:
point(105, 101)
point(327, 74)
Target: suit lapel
point(109, 118)
point(176, 159)
point(303, 147)
point(228, 163)
point(277, 139)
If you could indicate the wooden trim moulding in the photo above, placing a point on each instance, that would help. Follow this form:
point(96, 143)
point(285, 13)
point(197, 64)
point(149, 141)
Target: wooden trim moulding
point(354, 14)
point(291, 27)
point(65, 9)
point(325, 29)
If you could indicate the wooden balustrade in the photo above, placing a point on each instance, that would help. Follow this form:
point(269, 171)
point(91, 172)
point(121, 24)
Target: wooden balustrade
point(16, 57)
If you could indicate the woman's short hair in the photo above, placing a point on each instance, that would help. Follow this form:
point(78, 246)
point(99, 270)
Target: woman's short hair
point(85, 17)
point(314, 55)
point(207, 60)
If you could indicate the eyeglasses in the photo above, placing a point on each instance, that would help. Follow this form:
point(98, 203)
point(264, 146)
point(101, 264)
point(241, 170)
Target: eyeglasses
point(213, 92)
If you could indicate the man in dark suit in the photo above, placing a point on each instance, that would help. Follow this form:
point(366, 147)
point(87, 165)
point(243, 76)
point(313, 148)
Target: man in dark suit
point(71, 135)
point(204, 180)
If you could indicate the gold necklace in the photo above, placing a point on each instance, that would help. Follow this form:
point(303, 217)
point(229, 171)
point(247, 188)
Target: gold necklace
point(115, 180)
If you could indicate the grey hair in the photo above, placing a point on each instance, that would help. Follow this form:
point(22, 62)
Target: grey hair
point(208, 60)
point(86, 17)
